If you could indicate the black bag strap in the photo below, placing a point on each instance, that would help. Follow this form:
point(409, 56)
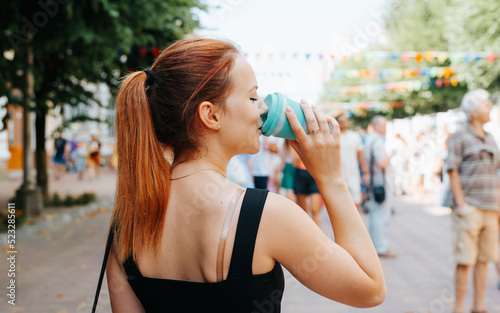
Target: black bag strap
point(103, 268)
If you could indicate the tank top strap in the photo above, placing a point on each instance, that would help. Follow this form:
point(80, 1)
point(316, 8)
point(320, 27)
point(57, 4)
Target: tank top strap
point(246, 233)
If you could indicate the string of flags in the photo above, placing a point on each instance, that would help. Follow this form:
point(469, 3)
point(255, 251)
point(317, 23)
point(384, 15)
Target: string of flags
point(387, 73)
point(395, 73)
point(290, 74)
point(417, 56)
point(357, 108)
point(400, 86)
point(358, 105)
point(406, 78)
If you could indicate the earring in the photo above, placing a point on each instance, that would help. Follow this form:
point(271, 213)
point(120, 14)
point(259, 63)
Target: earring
point(218, 126)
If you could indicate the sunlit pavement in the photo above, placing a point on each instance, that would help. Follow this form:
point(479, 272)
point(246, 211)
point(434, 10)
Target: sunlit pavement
point(58, 269)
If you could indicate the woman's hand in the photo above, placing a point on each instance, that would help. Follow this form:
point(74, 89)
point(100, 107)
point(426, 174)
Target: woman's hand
point(320, 151)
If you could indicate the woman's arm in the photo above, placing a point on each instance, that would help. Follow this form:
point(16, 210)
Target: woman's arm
point(347, 270)
point(121, 295)
point(456, 190)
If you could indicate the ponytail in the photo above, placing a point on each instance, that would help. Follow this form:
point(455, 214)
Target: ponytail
point(143, 182)
point(157, 109)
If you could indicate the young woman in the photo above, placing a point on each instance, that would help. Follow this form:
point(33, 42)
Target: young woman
point(189, 240)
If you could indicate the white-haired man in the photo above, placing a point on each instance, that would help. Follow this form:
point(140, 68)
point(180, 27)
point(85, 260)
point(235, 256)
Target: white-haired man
point(472, 164)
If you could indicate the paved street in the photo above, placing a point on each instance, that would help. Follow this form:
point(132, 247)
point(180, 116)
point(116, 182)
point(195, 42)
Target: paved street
point(57, 268)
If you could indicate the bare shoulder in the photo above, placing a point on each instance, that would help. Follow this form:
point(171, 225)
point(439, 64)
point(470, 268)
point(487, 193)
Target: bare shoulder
point(286, 225)
point(278, 207)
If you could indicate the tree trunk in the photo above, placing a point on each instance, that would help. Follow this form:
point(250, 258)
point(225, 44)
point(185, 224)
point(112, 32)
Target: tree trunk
point(29, 195)
point(41, 154)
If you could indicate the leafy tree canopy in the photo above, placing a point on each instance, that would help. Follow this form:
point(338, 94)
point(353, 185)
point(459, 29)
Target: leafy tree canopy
point(81, 41)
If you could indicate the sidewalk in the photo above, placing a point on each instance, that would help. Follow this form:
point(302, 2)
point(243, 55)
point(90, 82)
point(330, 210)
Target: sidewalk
point(69, 184)
point(103, 187)
point(419, 280)
point(58, 268)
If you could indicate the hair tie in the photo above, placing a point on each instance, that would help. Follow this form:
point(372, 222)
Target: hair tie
point(150, 80)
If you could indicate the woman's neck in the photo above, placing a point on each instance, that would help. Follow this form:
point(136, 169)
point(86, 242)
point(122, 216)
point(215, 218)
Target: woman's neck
point(188, 166)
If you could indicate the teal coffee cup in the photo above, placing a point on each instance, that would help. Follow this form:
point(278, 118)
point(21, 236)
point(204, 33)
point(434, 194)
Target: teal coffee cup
point(275, 122)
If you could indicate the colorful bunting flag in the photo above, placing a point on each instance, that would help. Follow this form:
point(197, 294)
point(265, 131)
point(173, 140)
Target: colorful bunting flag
point(406, 56)
point(401, 86)
point(395, 73)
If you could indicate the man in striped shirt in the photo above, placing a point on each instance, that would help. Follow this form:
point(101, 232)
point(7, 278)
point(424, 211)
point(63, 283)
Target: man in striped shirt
point(472, 164)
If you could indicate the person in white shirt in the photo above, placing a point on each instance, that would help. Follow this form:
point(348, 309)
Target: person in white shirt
point(352, 159)
point(261, 162)
point(238, 171)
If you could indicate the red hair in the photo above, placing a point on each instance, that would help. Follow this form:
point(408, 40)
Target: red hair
point(152, 118)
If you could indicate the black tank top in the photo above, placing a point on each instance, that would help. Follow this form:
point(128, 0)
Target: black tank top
point(240, 292)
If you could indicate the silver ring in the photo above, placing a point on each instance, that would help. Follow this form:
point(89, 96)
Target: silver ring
point(315, 131)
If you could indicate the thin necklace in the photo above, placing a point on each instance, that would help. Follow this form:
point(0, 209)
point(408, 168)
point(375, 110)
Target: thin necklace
point(205, 169)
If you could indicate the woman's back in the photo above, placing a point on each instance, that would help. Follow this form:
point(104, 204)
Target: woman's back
point(182, 280)
point(194, 220)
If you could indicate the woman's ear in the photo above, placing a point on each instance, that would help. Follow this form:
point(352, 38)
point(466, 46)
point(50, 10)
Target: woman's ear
point(208, 115)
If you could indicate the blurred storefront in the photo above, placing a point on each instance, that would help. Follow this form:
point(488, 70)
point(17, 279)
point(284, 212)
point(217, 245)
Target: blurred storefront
point(101, 124)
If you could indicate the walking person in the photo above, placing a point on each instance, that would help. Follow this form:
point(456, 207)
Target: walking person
point(306, 190)
point(497, 264)
point(261, 162)
point(238, 171)
point(178, 247)
point(94, 157)
point(352, 159)
point(400, 165)
point(73, 144)
point(60, 155)
point(81, 156)
point(286, 185)
point(380, 187)
point(277, 166)
point(472, 164)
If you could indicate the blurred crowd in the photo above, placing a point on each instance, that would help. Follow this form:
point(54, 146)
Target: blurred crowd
point(82, 154)
point(416, 163)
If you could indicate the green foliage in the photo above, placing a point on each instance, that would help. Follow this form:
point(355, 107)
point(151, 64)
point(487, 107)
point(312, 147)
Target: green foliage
point(417, 25)
point(85, 198)
point(70, 200)
point(77, 43)
point(450, 25)
point(426, 25)
point(56, 200)
point(474, 25)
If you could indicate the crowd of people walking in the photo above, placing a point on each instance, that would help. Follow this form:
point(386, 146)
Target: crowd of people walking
point(81, 155)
